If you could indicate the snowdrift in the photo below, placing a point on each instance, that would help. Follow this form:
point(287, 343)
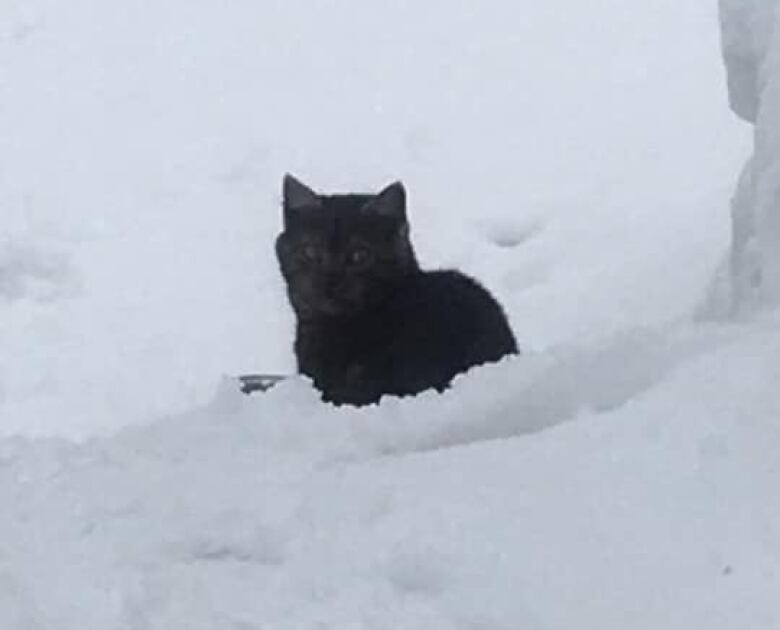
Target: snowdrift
point(751, 45)
point(657, 507)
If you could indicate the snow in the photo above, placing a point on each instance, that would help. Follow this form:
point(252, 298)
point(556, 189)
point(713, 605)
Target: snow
point(26, 272)
point(576, 157)
point(148, 148)
point(656, 508)
point(750, 278)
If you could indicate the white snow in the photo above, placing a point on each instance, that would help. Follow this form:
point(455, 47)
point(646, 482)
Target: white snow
point(576, 157)
point(147, 146)
point(750, 277)
point(655, 508)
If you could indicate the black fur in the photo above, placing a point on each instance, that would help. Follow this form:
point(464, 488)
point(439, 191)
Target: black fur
point(369, 321)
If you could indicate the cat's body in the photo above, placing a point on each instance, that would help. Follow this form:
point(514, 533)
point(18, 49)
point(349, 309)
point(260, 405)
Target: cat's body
point(370, 321)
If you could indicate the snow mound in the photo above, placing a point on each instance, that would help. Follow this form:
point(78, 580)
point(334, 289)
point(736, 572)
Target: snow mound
point(657, 508)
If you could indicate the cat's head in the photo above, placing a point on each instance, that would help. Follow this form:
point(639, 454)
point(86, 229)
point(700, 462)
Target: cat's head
point(340, 254)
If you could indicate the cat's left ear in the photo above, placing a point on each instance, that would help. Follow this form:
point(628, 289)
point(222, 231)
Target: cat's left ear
point(391, 202)
point(298, 198)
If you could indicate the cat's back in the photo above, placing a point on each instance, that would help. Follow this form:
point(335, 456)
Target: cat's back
point(451, 312)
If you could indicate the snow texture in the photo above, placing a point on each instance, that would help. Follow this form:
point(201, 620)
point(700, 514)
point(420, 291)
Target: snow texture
point(751, 45)
point(26, 273)
point(575, 157)
point(655, 506)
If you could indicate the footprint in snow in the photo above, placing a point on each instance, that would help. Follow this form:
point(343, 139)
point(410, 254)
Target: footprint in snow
point(255, 545)
point(508, 233)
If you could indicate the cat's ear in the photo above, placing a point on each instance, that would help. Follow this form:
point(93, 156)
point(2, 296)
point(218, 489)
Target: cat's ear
point(391, 202)
point(297, 197)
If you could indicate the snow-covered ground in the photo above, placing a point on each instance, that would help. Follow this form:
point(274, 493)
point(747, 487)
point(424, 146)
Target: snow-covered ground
point(576, 157)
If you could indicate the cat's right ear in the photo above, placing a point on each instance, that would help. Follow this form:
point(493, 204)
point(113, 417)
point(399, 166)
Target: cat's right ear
point(297, 197)
point(390, 202)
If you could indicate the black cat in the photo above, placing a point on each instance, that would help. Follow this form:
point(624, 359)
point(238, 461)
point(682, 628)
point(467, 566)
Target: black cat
point(370, 321)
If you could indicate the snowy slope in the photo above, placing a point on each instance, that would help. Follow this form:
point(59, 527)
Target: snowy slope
point(576, 157)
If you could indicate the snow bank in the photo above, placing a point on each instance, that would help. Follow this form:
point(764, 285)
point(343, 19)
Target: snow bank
point(277, 512)
point(747, 31)
point(751, 45)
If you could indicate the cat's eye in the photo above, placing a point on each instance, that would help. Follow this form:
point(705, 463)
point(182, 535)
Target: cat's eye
point(359, 256)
